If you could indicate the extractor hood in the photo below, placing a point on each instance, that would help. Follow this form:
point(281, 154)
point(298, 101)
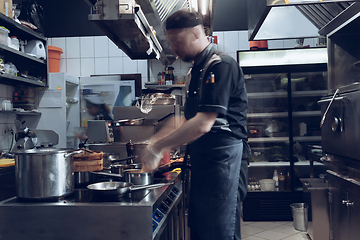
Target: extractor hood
point(137, 27)
point(291, 19)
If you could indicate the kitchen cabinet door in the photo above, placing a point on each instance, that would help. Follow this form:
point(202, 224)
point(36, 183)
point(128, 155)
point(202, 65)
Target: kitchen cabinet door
point(339, 214)
point(353, 203)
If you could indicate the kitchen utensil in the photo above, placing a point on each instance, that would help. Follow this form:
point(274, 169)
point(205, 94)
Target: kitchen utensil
point(119, 188)
point(170, 163)
point(35, 48)
point(108, 157)
point(164, 169)
point(267, 184)
point(44, 173)
point(127, 159)
point(107, 174)
point(137, 177)
point(328, 107)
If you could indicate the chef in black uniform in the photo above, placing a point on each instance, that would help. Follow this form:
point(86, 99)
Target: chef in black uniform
point(214, 130)
point(96, 107)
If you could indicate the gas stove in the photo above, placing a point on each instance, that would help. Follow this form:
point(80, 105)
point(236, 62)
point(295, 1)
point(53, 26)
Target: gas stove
point(141, 214)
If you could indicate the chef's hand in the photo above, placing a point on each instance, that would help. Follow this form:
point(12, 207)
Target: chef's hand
point(150, 159)
point(81, 136)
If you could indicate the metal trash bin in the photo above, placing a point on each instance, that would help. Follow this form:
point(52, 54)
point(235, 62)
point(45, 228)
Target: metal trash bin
point(300, 216)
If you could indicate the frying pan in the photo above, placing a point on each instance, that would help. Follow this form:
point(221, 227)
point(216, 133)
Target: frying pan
point(118, 189)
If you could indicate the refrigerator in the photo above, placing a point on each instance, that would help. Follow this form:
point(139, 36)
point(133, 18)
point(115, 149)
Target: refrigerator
point(59, 107)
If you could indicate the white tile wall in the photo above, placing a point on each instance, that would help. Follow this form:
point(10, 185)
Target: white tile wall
point(72, 47)
point(87, 47)
point(231, 41)
point(73, 66)
point(85, 56)
point(116, 65)
point(101, 47)
point(87, 66)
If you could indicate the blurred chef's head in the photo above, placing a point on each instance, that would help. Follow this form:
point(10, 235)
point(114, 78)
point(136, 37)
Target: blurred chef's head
point(186, 34)
point(96, 104)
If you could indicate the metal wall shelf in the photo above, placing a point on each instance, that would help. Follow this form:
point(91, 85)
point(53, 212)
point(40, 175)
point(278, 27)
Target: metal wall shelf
point(21, 113)
point(24, 63)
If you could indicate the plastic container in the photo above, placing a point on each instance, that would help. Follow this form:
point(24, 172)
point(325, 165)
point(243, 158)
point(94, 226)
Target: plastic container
point(267, 184)
point(54, 58)
point(13, 42)
point(300, 216)
point(4, 34)
point(258, 45)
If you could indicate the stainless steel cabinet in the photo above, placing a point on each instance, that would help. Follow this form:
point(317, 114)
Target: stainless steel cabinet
point(344, 207)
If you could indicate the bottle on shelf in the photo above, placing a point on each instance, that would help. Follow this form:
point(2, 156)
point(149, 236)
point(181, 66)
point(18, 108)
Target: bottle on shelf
point(159, 78)
point(282, 184)
point(162, 81)
point(276, 178)
point(288, 180)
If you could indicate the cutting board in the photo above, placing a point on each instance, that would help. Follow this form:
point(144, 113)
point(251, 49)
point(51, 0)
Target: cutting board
point(7, 162)
point(88, 166)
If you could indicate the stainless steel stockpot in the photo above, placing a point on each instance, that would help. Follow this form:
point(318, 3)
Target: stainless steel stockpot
point(44, 173)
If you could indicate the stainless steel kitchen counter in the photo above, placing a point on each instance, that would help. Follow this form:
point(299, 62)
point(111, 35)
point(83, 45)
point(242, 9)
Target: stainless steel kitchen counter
point(83, 216)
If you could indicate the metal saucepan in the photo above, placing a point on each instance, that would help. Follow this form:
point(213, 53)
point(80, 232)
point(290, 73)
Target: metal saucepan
point(112, 189)
point(120, 168)
point(117, 170)
point(108, 157)
point(138, 177)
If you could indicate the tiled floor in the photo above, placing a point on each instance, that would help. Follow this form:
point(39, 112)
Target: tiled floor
point(271, 231)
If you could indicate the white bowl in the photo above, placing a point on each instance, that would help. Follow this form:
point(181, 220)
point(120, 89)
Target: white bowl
point(267, 184)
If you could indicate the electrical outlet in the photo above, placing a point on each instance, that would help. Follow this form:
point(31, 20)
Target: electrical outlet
point(7, 131)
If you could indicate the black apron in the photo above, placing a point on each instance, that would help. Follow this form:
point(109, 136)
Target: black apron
point(214, 185)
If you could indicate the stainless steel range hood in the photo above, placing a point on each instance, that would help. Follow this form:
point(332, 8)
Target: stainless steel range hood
point(138, 28)
point(289, 19)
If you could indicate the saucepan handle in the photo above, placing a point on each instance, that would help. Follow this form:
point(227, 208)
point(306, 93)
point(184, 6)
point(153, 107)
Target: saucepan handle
point(150, 186)
point(72, 153)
